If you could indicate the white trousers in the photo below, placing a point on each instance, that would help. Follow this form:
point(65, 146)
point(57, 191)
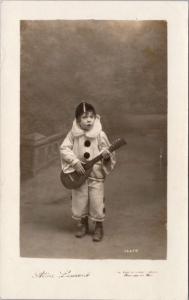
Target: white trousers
point(88, 200)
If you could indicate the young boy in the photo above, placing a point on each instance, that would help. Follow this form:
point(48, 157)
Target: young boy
point(84, 142)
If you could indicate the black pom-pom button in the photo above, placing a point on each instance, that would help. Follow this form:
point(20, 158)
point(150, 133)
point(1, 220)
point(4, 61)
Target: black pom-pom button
point(87, 143)
point(86, 155)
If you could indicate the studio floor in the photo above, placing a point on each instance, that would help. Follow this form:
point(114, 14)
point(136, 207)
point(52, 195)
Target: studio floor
point(135, 225)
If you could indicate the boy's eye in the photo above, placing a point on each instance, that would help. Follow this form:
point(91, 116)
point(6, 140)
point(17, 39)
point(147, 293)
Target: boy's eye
point(87, 116)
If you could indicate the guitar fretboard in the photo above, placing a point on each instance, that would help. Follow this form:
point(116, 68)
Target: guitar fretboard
point(115, 145)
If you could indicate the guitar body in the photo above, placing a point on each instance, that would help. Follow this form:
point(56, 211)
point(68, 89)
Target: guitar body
point(74, 180)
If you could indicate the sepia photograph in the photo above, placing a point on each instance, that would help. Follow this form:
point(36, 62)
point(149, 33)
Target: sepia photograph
point(94, 150)
point(93, 139)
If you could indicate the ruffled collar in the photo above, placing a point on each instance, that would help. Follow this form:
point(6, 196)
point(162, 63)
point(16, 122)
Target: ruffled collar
point(93, 133)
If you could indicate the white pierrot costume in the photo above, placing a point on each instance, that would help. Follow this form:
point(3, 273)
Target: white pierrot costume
point(88, 200)
point(74, 147)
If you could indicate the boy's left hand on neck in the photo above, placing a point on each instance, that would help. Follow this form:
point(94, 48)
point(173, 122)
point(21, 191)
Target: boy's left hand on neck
point(106, 154)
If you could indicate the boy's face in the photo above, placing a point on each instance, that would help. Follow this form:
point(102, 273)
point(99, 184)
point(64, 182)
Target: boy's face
point(86, 121)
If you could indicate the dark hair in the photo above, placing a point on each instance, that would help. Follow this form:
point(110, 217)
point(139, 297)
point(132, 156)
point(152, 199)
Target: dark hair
point(82, 108)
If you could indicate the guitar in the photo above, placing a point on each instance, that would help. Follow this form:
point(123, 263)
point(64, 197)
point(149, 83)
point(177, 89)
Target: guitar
point(74, 180)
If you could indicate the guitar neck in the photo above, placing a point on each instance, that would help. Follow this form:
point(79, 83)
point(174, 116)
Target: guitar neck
point(117, 144)
point(93, 161)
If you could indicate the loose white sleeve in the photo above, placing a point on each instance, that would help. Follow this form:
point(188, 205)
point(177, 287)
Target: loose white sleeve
point(66, 150)
point(108, 164)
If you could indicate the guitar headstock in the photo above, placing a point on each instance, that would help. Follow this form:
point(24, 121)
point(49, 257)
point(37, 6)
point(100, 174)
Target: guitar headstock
point(117, 144)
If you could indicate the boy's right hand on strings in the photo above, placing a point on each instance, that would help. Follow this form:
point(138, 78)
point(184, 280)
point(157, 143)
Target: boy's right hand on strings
point(79, 168)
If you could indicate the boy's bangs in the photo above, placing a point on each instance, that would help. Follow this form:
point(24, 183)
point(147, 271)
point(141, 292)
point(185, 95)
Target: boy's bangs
point(89, 112)
point(84, 107)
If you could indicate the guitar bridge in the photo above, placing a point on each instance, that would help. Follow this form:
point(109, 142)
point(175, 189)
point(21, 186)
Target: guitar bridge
point(72, 179)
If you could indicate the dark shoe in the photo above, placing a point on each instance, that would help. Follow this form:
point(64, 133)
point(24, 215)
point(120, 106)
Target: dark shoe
point(83, 228)
point(98, 232)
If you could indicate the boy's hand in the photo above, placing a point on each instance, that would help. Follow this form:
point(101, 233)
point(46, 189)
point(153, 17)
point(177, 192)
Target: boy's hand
point(79, 168)
point(106, 154)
